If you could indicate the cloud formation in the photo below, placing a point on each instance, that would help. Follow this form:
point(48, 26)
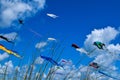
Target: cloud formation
point(3, 56)
point(39, 60)
point(105, 35)
point(41, 45)
point(9, 66)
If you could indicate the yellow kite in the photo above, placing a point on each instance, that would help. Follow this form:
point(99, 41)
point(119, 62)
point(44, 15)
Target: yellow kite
point(9, 51)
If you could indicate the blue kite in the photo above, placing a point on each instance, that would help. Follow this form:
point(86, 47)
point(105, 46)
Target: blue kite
point(50, 60)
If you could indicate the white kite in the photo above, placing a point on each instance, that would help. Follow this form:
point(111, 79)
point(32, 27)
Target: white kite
point(52, 15)
point(51, 39)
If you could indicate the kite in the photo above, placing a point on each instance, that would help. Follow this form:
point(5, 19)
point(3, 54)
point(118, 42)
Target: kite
point(50, 60)
point(6, 39)
point(51, 39)
point(75, 46)
point(63, 61)
point(9, 51)
point(20, 21)
point(100, 45)
point(52, 15)
point(81, 50)
point(96, 66)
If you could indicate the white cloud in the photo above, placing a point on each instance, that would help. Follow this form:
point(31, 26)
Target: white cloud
point(3, 56)
point(13, 10)
point(104, 35)
point(39, 60)
point(44, 43)
point(104, 58)
point(52, 15)
point(41, 3)
point(9, 66)
point(115, 49)
point(41, 45)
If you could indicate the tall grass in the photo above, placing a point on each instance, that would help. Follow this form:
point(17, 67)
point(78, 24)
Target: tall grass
point(46, 68)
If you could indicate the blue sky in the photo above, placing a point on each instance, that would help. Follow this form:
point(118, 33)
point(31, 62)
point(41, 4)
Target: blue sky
point(76, 19)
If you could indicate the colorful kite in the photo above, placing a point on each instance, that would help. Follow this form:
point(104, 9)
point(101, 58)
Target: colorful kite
point(96, 66)
point(100, 45)
point(9, 51)
point(6, 39)
point(50, 60)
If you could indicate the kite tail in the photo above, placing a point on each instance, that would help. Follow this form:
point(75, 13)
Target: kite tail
point(108, 75)
point(17, 55)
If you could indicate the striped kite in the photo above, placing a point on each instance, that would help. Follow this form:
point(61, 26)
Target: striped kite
point(9, 51)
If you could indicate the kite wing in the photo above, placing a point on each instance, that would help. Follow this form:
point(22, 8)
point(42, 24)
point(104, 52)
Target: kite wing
point(9, 51)
point(5, 38)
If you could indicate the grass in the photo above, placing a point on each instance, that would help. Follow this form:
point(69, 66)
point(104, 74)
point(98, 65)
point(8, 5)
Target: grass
point(46, 68)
